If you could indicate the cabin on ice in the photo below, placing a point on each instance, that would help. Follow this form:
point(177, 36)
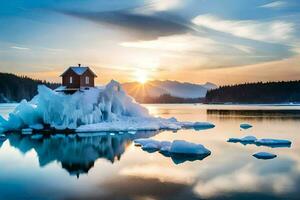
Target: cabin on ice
point(77, 77)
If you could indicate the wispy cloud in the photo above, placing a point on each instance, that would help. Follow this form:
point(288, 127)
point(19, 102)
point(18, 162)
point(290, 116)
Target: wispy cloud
point(274, 4)
point(243, 48)
point(20, 48)
point(178, 43)
point(138, 25)
point(276, 31)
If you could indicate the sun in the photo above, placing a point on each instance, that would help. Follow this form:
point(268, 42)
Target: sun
point(141, 76)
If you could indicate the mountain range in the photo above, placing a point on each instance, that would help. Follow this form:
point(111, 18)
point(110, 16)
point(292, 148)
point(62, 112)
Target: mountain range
point(173, 88)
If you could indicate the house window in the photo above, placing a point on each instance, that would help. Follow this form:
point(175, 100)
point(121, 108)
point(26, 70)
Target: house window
point(71, 79)
point(87, 80)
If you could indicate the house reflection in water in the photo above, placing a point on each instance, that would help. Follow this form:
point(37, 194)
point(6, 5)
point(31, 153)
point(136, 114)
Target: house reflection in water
point(76, 154)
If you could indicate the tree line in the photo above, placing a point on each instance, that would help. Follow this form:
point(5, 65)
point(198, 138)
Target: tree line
point(260, 92)
point(15, 88)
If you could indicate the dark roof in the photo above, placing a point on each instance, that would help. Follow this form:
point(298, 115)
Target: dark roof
point(79, 70)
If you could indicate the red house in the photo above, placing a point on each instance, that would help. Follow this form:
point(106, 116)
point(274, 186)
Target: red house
point(77, 77)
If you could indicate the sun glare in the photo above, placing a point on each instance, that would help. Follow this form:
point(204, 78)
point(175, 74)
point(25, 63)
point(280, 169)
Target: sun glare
point(141, 76)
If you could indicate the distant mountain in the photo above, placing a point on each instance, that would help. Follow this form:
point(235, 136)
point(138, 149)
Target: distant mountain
point(177, 89)
point(15, 88)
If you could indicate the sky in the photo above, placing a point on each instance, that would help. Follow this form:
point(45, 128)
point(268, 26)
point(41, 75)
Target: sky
point(219, 41)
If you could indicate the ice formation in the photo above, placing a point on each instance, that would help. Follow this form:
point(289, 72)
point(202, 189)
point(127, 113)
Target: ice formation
point(261, 142)
point(176, 147)
point(264, 155)
point(106, 108)
point(246, 139)
point(270, 142)
point(245, 126)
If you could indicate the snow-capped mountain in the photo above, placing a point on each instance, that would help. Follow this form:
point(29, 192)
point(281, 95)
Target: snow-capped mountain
point(173, 88)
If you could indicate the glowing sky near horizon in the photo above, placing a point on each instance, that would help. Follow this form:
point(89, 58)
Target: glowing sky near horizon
point(219, 41)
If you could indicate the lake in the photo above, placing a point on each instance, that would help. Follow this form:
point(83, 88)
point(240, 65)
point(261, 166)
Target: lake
point(109, 166)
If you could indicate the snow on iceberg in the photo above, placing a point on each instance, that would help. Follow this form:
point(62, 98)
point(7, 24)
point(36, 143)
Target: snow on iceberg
point(106, 108)
point(179, 150)
point(183, 147)
point(264, 155)
point(245, 126)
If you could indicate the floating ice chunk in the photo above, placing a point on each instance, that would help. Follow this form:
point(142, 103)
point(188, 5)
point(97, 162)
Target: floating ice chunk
point(183, 147)
point(58, 135)
point(37, 136)
point(37, 126)
point(2, 137)
point(245, 126)
point(273, 142)
point(26, 131)
point(264, 155)
point(151, 145)
point(197, 125)
point(247, 139)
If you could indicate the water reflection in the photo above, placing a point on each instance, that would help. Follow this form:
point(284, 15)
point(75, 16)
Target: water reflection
point(75, 153)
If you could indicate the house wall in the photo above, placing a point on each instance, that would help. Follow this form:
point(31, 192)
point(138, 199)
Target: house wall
point(89, 74)
point(66, 79)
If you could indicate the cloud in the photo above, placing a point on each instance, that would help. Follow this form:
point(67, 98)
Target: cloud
point(177, 43)
point(139, 26)
point(161, 5)
point(19, 48)
point(244, 48)
point(274, 4)
point(267, 31)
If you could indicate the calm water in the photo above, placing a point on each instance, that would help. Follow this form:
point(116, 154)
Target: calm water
point(109, 166)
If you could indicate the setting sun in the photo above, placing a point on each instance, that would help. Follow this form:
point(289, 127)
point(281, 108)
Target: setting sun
point(141, 76)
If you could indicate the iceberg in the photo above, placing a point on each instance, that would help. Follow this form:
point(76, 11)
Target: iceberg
point(95, 109)
point(264, 155)
point(245, 126)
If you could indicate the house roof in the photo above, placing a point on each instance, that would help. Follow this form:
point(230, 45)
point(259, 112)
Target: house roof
point(79, 70)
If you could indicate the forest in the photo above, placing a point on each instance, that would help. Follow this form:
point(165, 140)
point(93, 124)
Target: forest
point(15, 88)
point(260, 92)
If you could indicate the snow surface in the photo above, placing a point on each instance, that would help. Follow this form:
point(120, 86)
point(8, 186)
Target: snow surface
point(264, 155)
point(106, 108)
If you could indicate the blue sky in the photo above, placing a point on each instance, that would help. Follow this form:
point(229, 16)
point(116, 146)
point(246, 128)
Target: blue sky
point(185, 40)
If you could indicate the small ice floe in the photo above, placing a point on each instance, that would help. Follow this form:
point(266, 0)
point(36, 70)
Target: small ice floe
point(261, 142)
point(37, 136)
point(37, 126)
point(2, 137)
point(58, 135)
point(245, 140)
point(179, 150)
point(273, 142)
point(264, 155)
point(198, 125)
point(148, 145)
point(27, 131)
point(245, 126)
